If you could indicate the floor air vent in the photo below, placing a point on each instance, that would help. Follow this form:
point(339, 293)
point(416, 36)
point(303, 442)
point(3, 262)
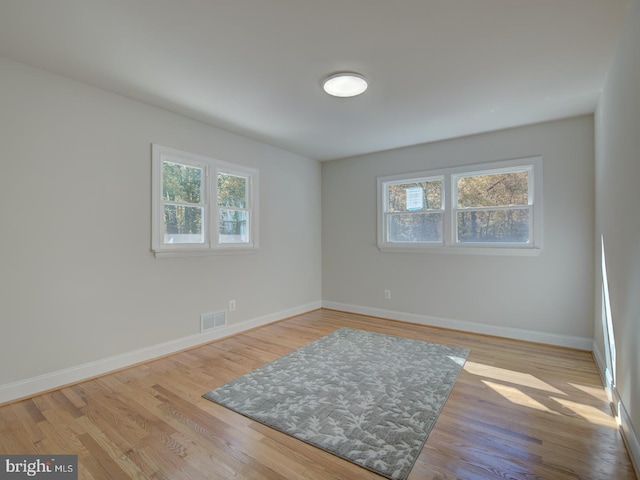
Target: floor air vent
point(210, 321)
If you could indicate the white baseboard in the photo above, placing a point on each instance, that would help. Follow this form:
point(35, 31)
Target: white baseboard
point(629, 435)
point(49, 381)
point(605, 376)
point(579, 343)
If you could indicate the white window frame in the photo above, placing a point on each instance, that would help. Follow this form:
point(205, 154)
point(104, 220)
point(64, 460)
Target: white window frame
point(450, 243)
point(209, 202)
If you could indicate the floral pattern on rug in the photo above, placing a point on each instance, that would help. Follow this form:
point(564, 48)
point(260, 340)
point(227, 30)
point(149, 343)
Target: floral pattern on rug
point(367, 397)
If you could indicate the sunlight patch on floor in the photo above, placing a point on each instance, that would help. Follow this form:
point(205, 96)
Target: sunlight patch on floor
point(589, 413)
point(515, 395)
point(596, 392)
point(510, 376)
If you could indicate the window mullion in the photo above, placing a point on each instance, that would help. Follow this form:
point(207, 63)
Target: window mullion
point(448, 197)
point(494, 208)
point(214, 215)
point(183, 204)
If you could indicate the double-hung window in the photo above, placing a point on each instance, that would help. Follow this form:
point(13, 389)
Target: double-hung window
point(201, 205)
point(492, 208)
point(234, 214)
point(414, 211)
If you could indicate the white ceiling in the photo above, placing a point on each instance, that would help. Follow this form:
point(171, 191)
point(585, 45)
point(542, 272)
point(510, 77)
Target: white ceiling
point(437, 68)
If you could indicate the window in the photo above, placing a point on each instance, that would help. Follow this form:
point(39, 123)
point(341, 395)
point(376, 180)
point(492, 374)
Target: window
point(201, 205)
point(183, 197)
point(492, 208)
point(414, 212)
point(233, 211)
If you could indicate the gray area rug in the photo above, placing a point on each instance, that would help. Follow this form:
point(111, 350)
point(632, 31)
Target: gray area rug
point(367, 397)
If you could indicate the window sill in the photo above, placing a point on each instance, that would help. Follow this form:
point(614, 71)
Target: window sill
point(204, 252)
point(462, 250)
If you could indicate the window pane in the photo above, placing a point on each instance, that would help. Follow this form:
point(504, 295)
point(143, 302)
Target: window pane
point(494, 226)
point(181, 183)
point(415, 227)
point(415, 196)
point(232, 191)
point(502, 189)
point(183, 224)
point(234, 226)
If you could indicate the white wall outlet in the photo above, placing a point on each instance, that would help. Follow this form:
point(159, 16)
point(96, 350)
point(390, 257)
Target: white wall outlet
point(232, 305)
point(387, 294)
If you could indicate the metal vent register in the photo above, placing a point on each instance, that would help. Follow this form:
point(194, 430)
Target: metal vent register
point(209, 321)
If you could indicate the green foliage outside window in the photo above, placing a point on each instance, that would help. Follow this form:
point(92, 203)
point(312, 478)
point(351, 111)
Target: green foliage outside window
point(182, 184)
point(232, 196)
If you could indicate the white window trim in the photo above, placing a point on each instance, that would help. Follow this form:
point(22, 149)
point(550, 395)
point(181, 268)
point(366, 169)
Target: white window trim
point(211, 167)
point(449, 244)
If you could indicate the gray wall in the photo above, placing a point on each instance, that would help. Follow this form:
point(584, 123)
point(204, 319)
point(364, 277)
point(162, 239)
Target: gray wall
point(519, 296)
point(78, 282)
point(618, 218)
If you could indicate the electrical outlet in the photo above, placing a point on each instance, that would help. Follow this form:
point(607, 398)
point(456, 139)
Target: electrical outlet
point(387, 294)
point(232, 305)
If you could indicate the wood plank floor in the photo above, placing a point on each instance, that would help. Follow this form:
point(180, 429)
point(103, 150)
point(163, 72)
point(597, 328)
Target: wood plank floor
point(518, 411)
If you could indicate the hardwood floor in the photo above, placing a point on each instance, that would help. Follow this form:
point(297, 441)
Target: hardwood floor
point(518, 411)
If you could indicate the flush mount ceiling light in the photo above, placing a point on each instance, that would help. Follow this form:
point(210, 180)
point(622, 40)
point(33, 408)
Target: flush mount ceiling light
point(345, 84)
